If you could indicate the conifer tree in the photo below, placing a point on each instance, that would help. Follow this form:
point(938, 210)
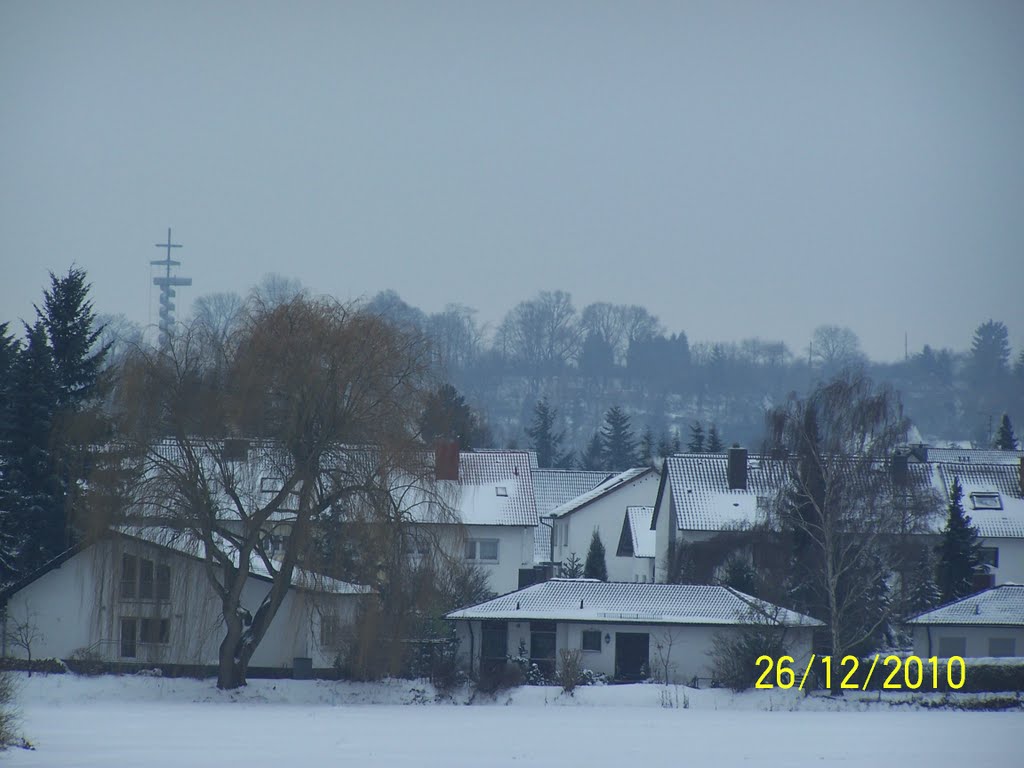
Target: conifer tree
point(647, 446)
point(714, 443)
point(696, 444)
point(544, 439)
point(958, 552)
point(922, 592)
point(572, 568)
point(1005, 439)
point(617, 441)
point(593, 457)
point(32, 530)
point(447, 415)
point(596, 567)
point(667, 445)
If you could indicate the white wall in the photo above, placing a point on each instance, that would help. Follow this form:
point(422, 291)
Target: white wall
point(688, 657)
point(606, 515)
point(665, 534)
point(78, 607)
point(515, 550)
point(976, 639)
point(1011, 560)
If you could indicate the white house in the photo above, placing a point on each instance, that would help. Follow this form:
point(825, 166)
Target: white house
point(603, 509)
point(989, 623)
point(129, 599)
point(551, 489)
point(488, 515)
point(626, 631)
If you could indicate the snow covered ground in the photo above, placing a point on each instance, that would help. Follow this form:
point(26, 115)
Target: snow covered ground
point(152, 722)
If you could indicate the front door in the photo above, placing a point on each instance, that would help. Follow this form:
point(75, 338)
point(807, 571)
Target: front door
point(493, 646)
point(632, 655)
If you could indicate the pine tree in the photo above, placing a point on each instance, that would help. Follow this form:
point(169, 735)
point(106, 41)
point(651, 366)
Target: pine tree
point(596, 567)
point(32, 531)
point(1005, 439)
point(958, 552)
point(447, 416)
point(544, 439)
point(715, 444)
point(572, 568)
point(696, 444)
point(593, 456)
point(70, 324)
point(922, 593)
point(647, 447)
point(666, 445)
point(618, 441)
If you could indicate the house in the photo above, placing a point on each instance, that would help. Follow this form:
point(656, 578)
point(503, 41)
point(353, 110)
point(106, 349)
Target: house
point(143, 598)
point(993, 497)
point(701, 495)
point(604, 509)
point(552, 488)
point(628, 631)
point(989, 623)
point(487, 516)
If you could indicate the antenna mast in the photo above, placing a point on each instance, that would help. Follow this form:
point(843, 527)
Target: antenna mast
point(166, 283)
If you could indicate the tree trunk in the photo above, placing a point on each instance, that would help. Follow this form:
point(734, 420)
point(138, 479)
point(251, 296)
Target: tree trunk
point(232, 668)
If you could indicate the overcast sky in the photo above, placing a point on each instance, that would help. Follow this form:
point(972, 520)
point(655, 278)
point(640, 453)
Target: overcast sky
point(741, 169)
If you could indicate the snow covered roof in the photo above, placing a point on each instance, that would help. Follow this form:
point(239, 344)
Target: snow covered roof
point(610, 485)
point(999, 606)
point(701, 497)
point(973, 456)
point(496, 488)
point(628, 602)
point(992, 497)
point(554, 487)
point(643, 537)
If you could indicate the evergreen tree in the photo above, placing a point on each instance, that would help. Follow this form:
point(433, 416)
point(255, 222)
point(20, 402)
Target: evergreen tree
point(70, 324)
point(696, 444)
point(990, 352)
point(447, 416)
point(572, 568)
point(667, 445)
point(596, 567)
point(958, 552)
point(617, 441)
point(922, 593)
point(32, 531)
point(740, 575)
point(544, 439)
point(714, 444)
point(1005, 439)
point(593, 456)
point(647, 447)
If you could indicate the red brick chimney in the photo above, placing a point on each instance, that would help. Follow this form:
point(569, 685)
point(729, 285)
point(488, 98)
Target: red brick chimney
point(446, 460)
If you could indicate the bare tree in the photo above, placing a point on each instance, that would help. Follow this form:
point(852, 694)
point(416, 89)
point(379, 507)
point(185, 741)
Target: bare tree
point(846, 504)
point(328, 396)
point(274, 289)
point(543, 333)
point(834, 347)
point(23, 633)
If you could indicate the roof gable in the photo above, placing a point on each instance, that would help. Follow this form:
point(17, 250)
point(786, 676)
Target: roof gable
point(999, 606)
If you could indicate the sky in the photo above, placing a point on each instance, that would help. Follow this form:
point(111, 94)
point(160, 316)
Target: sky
point(739, 168)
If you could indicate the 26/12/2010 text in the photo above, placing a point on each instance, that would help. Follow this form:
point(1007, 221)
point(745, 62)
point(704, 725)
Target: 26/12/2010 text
point(912, 673)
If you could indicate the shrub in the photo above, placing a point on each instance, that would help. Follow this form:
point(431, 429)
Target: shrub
point(734, 656)
point(570, 670)
point(500, 678)
point(8, 714)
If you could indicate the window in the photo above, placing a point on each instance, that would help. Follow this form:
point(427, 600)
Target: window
point(989, 556)
point(155, 631)
point(952, 646)
point(330, 631)
point(271, 484)
point(128, 638)
point(591, 640)
point(1002, 646)
point(142, 579)
point(482, 550)
point(501, 490)
point(129, 576)
point(145, 579)
point(986, 501)
point(565, 535)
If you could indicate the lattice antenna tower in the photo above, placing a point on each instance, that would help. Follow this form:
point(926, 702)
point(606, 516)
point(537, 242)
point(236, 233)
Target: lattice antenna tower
point(167, 283)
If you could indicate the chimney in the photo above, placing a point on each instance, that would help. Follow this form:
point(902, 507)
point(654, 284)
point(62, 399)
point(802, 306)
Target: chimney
point(900, 468)
point(736, 469)
point(446, 460)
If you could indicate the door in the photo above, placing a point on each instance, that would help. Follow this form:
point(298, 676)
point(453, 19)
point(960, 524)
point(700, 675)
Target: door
point(632, 655)
point(493, 646)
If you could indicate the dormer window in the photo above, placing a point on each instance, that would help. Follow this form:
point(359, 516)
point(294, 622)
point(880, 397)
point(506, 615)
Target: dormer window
point(986, 501)
point(501, 490)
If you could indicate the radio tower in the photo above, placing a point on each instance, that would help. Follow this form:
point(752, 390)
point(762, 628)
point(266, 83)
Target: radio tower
point(167, 284)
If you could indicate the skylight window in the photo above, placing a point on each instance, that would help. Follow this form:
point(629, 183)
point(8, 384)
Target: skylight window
point(501, 490)
point(986, 501)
